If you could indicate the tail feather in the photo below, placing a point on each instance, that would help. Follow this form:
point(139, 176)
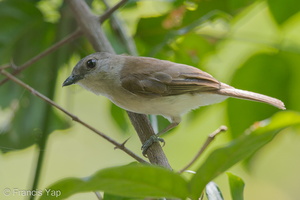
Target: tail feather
point(243, 94)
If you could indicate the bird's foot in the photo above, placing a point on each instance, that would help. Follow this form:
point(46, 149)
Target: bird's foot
point(150, 141)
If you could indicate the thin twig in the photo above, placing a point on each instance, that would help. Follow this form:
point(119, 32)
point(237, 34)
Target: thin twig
point(109, 12)
point(75, 118)
point(5, 66)
point(209, 139)
point(51, 49)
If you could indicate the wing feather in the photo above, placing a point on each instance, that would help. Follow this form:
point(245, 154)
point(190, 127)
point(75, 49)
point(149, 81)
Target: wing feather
point(164, 78)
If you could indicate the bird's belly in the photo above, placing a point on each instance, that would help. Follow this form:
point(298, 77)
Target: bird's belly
point(168, 106)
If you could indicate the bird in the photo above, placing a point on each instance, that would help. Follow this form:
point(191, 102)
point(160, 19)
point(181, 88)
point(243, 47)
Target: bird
point(152, 86)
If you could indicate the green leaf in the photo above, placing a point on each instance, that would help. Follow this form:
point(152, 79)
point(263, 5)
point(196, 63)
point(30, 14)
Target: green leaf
point(253, 139)
point(30, 119)
point(294, 81)
point(151, 31)
point(213, 192)
point(282, 10)
point(138, 181)
point(236, 186)
point(15, 18)
point(189, 52)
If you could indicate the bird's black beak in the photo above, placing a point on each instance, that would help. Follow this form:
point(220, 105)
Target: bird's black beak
point(72, 80)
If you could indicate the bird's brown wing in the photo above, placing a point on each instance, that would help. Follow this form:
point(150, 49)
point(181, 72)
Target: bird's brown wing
point(164, 78)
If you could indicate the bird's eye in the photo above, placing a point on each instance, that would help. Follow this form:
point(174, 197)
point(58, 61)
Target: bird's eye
point(91, 63)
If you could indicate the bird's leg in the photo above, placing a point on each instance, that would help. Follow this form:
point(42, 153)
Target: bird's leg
point(156, 138)
point(171, 126)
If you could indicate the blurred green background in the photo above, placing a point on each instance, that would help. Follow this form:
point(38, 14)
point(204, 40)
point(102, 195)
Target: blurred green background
point(252, 45)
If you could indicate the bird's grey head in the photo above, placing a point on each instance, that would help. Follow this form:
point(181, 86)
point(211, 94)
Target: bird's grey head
point(86, 67)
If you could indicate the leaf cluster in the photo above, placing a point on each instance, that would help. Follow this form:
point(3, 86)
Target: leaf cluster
point(142, 181)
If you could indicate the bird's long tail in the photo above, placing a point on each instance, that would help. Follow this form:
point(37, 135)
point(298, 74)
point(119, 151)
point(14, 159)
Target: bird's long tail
point(243, 94)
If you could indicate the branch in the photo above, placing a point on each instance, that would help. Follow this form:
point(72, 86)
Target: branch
point(89, 24)
point(209, 139)
point(144, 129)
point(75, 118)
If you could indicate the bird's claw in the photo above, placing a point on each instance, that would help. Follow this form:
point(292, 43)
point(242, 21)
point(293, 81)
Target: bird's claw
point(150, 141)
